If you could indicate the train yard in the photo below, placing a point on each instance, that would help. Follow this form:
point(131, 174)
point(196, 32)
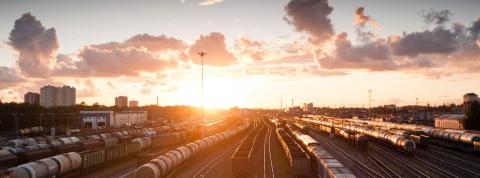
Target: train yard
point(262, 146)
point(387, 158)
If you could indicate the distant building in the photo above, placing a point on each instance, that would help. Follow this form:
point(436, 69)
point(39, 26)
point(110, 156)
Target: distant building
point(110, 119)
point(121, 101)
point(96, 119)
point(308, 107)
point(133, 103)
point(129, 118)
point(468, 100)
point(450, 121)
point(57, 96)
point(31, 98)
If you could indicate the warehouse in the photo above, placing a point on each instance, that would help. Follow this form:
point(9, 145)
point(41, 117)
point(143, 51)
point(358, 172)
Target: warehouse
point(450, 121)
point(96, 119)
point(110, 119)
point(129, 118)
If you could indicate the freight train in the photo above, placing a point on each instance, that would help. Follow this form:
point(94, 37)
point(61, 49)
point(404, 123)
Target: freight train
point(465, 137)
point(400, 142)
point(324, 165)
point(24, 150)
point(162, 165)
point(95, 149)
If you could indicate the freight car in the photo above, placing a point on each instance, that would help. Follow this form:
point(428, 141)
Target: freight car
point(358, 140)
point(34, 149)
point(162, 165)
point(170, 139)
point(420, 139)
point(298, 160)
point(48, 167)
point(66, 163)
point(466, 137)
point(399, 142)
point(324, 164)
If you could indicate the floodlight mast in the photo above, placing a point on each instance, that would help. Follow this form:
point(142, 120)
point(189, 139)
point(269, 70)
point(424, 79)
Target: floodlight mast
point(202, 54)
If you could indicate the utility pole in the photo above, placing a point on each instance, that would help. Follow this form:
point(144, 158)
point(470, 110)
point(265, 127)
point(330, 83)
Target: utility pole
point(369, 103)
point(281, 104)
point(202, 54)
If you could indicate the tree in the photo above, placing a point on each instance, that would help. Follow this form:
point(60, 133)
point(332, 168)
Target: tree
point(472, 116)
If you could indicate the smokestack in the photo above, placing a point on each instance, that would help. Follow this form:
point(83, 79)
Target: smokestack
point(292, 102)
point(157, 100)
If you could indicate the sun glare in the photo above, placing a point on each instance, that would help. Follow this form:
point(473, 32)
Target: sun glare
point(218, 93)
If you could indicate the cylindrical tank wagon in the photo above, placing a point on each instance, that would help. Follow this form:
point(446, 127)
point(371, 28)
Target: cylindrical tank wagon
point(49, 167)
point(162, 165)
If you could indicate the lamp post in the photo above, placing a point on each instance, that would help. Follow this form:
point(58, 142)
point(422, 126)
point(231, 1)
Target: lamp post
point(202, 54)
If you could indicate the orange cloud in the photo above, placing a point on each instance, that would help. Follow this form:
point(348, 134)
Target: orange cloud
point(250, 48)
point(214, 45)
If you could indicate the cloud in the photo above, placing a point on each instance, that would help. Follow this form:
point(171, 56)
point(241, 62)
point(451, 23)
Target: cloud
point(292, 70)
point(361, 19)
point(152, 43)
point(318, 71)
point(9, 76)
point(35, 44)
point(360, 22)
point(438, 40)
point(250, 48)
point(214, 45)
point(209, 2)
point(89, 89)
point(111, 85)
point(290, 59)
point(437, 17)
point(475, 29)
point(374, 56)
point(311, 16)
point(94, 62)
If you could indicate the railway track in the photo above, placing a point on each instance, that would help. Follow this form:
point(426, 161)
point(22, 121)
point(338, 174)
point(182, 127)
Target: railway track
point(367, 170)
point(388, 172)
point(457, 156)
point(205, 170)
point(435, 168)
point(267, 153)
point(454, 165)
point(414, 171)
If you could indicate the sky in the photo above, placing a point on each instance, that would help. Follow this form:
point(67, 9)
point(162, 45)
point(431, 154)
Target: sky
point(259, 53)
